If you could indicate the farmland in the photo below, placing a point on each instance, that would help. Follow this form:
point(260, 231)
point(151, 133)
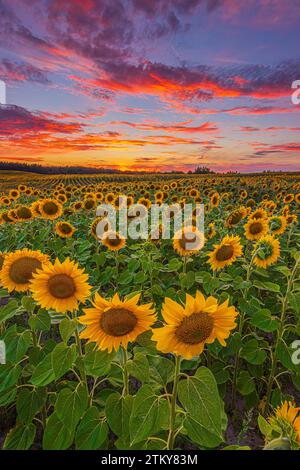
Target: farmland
point(145, 344)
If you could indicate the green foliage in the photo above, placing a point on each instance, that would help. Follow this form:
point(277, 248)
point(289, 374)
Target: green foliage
point(59, 392)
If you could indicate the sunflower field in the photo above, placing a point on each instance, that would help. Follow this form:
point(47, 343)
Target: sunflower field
point(144, 344)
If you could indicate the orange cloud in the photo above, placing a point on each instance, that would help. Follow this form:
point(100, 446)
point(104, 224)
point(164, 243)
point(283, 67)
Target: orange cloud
point(179, 127)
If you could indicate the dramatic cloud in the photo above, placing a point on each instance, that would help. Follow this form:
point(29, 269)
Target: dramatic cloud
point(16, 121)
point(265, 149)
point(238, 110)
point(112, 72)
point(14, 72)
point(269, 129)
point(180, 127)
point(183, 84)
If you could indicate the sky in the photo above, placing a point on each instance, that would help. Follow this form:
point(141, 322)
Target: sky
point(151, 85)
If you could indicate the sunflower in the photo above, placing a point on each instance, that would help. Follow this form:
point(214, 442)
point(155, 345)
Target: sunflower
point(77, 205)
point(215, 199)
point(94, 225)
point(256, 228)
point(130, 201)
point(120, 201)
point(14, 194)
point(145, 202)
point(99, 196)
point(50, 209)
point(188, 328)
point(89, 204)
point(19, 267)
point(35, 208)
point(250, 203)
point(297, 198)
point(258, 214)
point(288, 198)
point(226, 252)
point(211, 230)
point(287, 420)
point(64, 229)
point(5, 217)
point(113, 240)
point(115, 322)
point(62, 198)
point(159, 196)
point(60, 286)
point(109, 198)
point(188, 241)
point(291, 219)
point(235, 217)
point(6, 201)
point(194, 192)
point(24, 213)
point(268, 251)
point(285, 210)
point(13, 215)
point(277, 224)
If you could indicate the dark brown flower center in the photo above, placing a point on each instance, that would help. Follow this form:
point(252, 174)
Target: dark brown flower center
point(144, 202)
point(187, 240)
point(195, 329)
point(236, 218)
point(24, 213)
point(256, 228)
point(89, 204)
point(118, 321)
point(114, 240)
point(224, 253)
point(61, 286)
point(65, 228)
point(22, 269)
point(50, 208)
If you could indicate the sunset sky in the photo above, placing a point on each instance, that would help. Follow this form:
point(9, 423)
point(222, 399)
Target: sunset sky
point(151, 84)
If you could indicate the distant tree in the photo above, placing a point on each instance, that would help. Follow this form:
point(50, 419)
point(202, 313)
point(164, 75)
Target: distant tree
point(203, 170)
point(54, 170)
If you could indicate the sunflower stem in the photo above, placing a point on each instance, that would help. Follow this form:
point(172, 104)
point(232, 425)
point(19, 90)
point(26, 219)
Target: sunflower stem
point(80, 353)
point(34, 338)
point(125, 372)
point(117, 267)
point(172, 432)
point(184, 264)
point(241, 326)
point(289, 236)
point(280, 336)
